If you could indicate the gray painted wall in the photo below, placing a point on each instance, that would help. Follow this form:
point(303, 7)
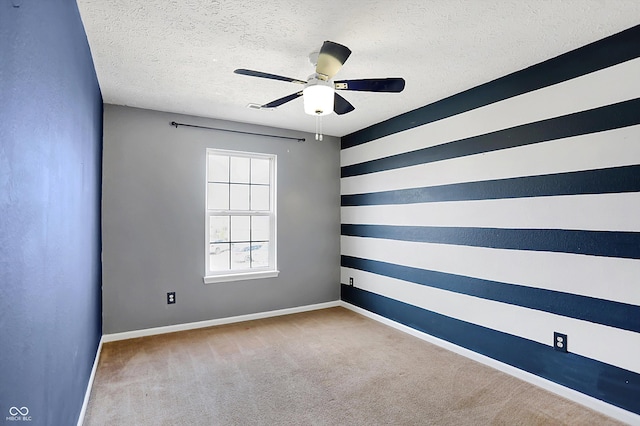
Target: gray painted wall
point(153, 221)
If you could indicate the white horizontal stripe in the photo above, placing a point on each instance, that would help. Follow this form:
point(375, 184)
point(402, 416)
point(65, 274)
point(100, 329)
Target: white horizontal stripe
point(595, 212)
point(606, 344)
point(600, 88)
point(612, 148)
point(606, 278)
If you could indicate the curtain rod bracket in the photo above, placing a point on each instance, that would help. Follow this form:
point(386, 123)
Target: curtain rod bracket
point(176, 124)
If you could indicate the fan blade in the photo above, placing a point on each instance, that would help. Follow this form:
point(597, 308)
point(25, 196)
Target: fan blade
point(331, 58)
point(281, 101)
point(261, 74)
point(341, 105)
point(394, 85)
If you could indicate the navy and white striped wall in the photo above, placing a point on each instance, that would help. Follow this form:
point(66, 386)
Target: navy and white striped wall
point(497, 216)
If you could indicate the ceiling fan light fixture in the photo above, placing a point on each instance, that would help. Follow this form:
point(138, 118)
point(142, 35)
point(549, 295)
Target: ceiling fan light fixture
point(318, 99)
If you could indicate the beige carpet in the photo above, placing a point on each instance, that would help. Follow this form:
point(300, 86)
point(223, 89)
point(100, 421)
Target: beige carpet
point(328, 367)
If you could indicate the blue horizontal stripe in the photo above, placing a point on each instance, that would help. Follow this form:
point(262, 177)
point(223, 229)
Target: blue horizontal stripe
point(600, 181)
point(601, 54)
point(593, 243)
point(606, 312)
point(608, 117)
point(603, 381)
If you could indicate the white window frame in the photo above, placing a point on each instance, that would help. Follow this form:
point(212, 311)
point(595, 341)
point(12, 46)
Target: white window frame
point(249, 273)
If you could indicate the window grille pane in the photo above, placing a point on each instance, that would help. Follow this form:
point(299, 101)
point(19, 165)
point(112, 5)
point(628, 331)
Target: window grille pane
point(260, 198)
point(260, 171)
point(218, 169)
point(240, 228)
point(220, 261)
point(218, 229)
point(240, 169)
point(240, 256)
point(239, 197)
point(259, 255)
point(260, 228)
point(217, 249)
point(217, 196)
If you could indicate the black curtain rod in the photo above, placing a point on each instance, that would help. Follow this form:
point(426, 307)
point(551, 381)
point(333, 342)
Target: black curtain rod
point(175, 124)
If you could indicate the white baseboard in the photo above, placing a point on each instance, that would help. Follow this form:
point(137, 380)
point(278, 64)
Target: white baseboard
point(87, 393)
point(209, 323)
point(565, 392)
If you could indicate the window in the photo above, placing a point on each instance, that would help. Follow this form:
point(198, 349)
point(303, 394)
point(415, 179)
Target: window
point(240, 216)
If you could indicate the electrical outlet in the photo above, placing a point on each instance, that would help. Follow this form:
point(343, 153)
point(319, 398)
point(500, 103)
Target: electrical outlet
point(559, 341)
point(171, 297)
point(351, 281)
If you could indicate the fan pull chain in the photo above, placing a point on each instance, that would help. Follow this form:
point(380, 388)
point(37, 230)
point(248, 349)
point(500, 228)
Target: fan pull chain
point(318, 127)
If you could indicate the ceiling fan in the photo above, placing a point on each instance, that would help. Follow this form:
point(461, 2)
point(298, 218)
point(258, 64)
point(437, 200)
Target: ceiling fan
point(319, 92)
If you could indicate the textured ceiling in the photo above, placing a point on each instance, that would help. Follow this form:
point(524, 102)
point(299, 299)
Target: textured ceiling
point(179, 55)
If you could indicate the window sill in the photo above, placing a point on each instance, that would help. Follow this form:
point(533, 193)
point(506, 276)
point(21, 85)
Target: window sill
point(211, 279)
